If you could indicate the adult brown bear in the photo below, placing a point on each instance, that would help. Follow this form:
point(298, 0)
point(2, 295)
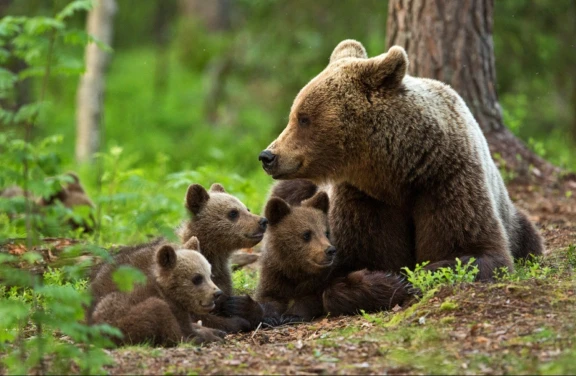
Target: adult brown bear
point(410, 173)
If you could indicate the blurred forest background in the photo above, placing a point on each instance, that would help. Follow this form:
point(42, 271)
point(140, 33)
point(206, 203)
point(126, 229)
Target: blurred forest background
point(195, 89)
point(190, 92)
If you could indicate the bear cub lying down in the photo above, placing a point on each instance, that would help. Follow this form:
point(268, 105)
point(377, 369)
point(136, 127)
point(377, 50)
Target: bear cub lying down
point(163, 310)
point(222, 224)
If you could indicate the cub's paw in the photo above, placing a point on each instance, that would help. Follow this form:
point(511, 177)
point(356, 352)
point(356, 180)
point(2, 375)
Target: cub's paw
point(237, 324)
point(206, 335)
point(273, 321)
point(242, 306)
point(370, 291)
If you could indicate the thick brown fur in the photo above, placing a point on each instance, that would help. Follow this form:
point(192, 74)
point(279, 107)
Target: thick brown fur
point(296, 259)
point(365, 290)
point(411, 174)
point(295, 192)
point(163, 311)
point(219, 232)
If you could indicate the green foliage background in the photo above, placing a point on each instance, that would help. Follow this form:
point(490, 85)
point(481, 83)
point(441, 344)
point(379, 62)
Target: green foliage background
point(157, 136)
point(162, 130)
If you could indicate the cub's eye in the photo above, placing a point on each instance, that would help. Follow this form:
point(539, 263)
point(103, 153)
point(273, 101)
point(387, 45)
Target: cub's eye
point(197, 280)
point(303, 121)
point(233, 214)
point(307, 236)
point(327, 234)
point(248, 210)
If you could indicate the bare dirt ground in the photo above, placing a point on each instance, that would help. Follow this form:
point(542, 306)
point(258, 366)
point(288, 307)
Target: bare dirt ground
point(515, 326)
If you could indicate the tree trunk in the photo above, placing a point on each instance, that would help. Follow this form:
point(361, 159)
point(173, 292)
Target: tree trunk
point(165, 11)
point(451, 41)
point(91, 88)
point(215, 15)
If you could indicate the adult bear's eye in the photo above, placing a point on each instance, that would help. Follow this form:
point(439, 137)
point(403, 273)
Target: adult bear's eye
point(197, 280)
point(233, 214)
point(307, 236)
point(303, 121)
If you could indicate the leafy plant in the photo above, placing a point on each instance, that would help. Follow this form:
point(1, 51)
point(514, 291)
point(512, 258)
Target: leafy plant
point(42, 328)
point(530, 268)
point(571, 255)
point(426, 280)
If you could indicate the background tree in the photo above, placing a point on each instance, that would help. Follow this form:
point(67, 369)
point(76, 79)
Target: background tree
point(89, 105)
point(451, 41)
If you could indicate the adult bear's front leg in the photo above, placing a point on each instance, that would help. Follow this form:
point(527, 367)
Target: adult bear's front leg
point(460, 222)
point(368, 233)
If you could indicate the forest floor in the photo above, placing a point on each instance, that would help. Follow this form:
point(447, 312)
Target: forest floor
point(523, 326)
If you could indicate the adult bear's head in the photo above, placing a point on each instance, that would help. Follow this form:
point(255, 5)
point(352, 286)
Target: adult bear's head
point(333, 116)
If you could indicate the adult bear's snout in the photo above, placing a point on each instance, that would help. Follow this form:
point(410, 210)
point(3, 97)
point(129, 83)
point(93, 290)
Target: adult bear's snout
point(267, 158)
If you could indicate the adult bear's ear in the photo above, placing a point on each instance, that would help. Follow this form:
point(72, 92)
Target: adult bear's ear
point(166, 257)
point(196, 198)
point(319, 201)
point(276, 210)
point(386, 70)
point(193, 244)
point(217, 188)
point(348, 48)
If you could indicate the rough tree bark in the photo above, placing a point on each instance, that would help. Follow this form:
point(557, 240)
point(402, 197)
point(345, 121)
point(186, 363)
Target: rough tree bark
point(451, 41)
point(90, 94)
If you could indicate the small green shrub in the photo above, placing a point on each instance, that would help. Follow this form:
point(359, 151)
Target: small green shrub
point(426, 280)
point(530, 268)
point(571, 255)
point(43, 328)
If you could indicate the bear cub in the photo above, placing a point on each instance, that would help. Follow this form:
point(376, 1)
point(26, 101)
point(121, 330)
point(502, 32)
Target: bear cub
point(295, 263)
point(364, 289)
point(223, 224)
point(163, 310)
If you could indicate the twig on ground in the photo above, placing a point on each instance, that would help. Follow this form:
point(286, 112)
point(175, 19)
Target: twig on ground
point(256, 331)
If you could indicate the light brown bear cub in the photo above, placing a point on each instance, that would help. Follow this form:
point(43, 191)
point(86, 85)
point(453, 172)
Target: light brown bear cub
point(163, 310)
point(223, 225)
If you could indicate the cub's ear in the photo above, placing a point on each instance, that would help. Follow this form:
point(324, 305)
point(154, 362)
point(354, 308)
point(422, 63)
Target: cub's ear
point(319, 201)
point(348, 48)
point(276, 210)
point(75, 178)
point(387, 70)
point(193, 243)
point(217, 188)
point(196, 198)
point(166, 257)
point(75, 185)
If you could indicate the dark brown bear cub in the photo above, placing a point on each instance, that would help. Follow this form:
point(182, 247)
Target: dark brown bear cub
point(163, 310)
point(297, 257)
point(295, 264)
point(367, 290)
